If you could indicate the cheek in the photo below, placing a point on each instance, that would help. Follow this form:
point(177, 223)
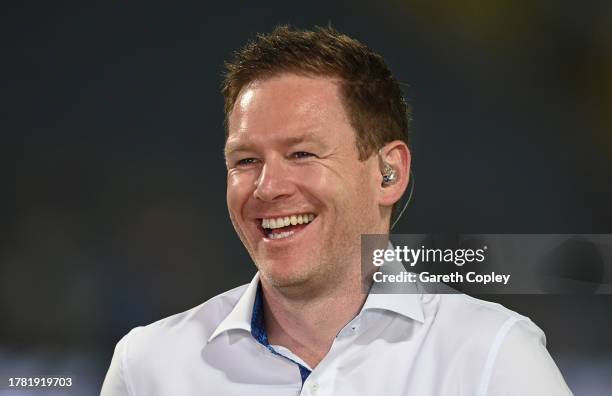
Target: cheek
point(348, 188)
point(361, 192)
point(317, 182)
point(238, 191)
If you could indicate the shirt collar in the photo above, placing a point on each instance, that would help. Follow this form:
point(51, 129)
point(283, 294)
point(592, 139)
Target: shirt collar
point(402, 298)
point(405, 301)
point(240, 317)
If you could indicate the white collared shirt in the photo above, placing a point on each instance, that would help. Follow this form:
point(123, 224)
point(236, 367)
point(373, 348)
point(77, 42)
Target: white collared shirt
point(399, 344)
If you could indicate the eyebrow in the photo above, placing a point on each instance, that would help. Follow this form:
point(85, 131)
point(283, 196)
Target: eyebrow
point(237, 145)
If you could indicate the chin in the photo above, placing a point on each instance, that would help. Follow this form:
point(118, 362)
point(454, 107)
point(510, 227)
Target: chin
point(280, 275)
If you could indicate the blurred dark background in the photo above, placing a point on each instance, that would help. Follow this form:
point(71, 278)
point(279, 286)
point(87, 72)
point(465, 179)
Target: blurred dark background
point(113, 190)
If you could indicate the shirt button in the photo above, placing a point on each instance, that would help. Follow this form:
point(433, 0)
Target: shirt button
point(314, 388)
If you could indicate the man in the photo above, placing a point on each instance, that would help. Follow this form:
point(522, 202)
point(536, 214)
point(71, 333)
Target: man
point(317, 155)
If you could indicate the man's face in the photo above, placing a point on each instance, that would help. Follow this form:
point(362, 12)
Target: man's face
point(291, 153)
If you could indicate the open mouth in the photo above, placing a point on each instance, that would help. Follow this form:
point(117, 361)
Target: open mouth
point(286, 226)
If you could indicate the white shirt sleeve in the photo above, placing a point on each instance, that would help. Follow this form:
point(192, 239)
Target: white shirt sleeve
point(522, 365)
point(115, 382)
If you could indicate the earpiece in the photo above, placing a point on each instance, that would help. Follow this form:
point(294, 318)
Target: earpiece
point(388, 173)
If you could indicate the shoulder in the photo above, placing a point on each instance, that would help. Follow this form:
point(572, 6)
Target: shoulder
point(472, 313)
point(188, 329)
point(149, 352)
point(503, 350)
point(479, 326)
point(512, 350)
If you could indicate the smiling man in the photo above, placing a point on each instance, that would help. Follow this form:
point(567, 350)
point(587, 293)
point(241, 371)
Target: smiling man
point(317, 155)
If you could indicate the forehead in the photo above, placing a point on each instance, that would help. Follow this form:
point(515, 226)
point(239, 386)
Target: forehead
point(287, 106)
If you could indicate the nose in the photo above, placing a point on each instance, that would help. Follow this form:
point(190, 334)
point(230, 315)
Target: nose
point(274, 182)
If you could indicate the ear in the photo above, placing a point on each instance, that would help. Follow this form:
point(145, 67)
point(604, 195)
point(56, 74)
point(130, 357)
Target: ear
point(397, 155)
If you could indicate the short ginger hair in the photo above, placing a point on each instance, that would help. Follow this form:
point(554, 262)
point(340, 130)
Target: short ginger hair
point(371, 96)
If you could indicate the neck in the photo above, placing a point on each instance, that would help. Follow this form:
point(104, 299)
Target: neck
point(307, 324)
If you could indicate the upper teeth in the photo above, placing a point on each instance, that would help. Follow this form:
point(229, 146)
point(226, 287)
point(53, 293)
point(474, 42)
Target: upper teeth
point(287, 220)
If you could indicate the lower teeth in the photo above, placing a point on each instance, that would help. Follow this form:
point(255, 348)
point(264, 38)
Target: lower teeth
point(281, 235)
